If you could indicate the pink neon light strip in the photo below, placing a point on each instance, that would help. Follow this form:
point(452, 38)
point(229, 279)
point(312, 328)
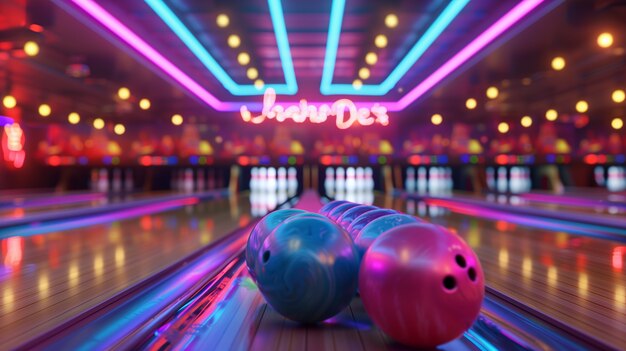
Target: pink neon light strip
point(484, 39)
point(151, 54)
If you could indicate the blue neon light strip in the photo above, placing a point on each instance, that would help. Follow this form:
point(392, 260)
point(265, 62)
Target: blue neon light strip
point(278, 21)
point(334, 31)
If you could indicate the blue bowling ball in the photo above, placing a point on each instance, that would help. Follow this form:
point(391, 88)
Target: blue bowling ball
point(350, 215)
point(262, 229)
point(308, 269)
point(330, 206)
point(375, 228)
point(340, 210)
point(361, 221)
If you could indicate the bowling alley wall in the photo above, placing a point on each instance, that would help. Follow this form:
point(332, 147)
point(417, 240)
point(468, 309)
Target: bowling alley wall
point(571, 142)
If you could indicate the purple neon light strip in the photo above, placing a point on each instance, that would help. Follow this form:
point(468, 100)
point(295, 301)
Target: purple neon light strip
point(485, 38)
point(480, 42)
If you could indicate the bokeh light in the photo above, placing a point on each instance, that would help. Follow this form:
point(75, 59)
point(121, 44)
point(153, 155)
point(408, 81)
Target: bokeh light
point(177, 119)
point(552, 115)
point(436, 119)
point(503, 127)
point(558, 63)
point(31, 48)
point(98, 123)
point(44, 110)
point(222, 20)
point(73, 118)
point(605, 40)
point(526, 121)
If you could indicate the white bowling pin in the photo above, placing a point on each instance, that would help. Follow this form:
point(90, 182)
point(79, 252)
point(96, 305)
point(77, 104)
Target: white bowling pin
point(515, 185)
point(281, 184)
point(254, 174)
point(410, 182)
point(271, 180)
point(350, 180)
point(369, 180)
point(262, 179)
point(340, 180)
point(103, 180)
point(433, 180)
point(502, 181)
point(491, 179)
point(360, 179)
point(292, 181)
point(329, 181)
point(188, 184)
point(598, 174)
point(422, 180)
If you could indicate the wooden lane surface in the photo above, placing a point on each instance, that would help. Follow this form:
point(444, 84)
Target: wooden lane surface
point(578, 280)
point(47, 279)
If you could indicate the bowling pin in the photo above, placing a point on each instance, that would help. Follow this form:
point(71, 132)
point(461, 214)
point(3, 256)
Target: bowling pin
point(117, 180)
point(410, 182)
point(598, 175)
point(502, 182)
point(612, 183)
point(271, 180)
point(422, 180)
point(281, 184)
point(340, 180)
point(491, 179)
point(360, 179)
point(254, 173)
point(129, 182)
point(350, 180)
point(188, 182)
point(527, 182)
point(369, 180)
point(329, 182)
point(103, 180)
point(292, 181)
point(433, 180)
point(448, 180)
point(200, 180)
point(262, 179)
point(514, 183)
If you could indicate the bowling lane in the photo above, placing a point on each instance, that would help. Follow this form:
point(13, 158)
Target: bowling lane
point(47, 279)
point(55, 202)
point(575, 279)
point(580, 204)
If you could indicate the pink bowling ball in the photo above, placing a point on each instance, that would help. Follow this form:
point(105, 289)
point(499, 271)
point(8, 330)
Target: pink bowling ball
point(422, 285)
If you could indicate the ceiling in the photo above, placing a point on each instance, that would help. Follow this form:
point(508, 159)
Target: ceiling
point(517, 62)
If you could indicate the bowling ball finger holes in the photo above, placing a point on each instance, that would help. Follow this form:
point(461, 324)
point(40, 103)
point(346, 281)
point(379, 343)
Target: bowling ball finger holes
point(460, 260)
point(472, 274)
point(266, 256)
point(449, 283)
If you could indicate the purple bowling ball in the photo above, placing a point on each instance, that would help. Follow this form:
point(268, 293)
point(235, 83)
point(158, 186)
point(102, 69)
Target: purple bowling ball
point(350, 215)
point(330, 206)
point(361, 221)
point(262, 229)
point(340, 210)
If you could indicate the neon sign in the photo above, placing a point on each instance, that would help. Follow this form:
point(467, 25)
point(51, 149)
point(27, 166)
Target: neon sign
point(345, 111)
point(13, 144)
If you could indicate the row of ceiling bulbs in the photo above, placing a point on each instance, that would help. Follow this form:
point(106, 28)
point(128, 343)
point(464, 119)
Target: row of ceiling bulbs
point(380, 41)
point(582, 106)
point(604, 40)
point(503, 127)
point(44, 110)
point(243, 58)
